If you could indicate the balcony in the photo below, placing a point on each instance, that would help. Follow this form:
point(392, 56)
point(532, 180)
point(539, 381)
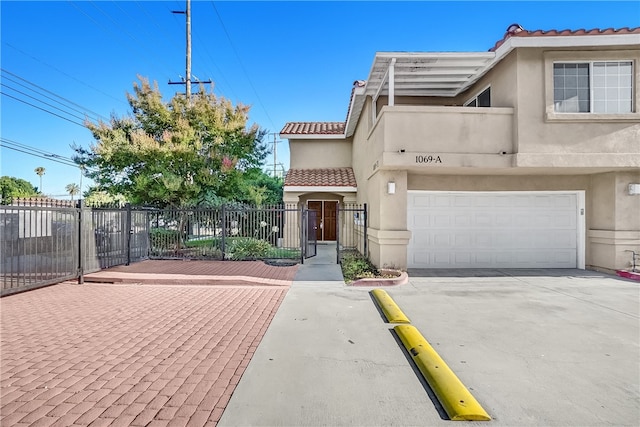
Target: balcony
point(443, 130)
point(442, 138)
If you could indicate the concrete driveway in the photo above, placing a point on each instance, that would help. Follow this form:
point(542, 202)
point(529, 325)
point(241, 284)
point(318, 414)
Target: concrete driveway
point(535, 347)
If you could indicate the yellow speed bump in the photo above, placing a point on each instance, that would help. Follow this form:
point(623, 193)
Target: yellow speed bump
point(390, 309)
point(456, 400)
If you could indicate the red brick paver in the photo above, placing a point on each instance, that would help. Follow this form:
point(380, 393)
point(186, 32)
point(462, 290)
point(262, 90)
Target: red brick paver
point(126, 354)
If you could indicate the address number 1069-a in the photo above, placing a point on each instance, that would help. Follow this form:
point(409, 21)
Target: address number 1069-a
point(428, 159)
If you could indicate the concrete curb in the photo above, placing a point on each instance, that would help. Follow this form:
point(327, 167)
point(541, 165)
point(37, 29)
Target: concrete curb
point(629, 275)
point(179, 279)
point(455, 398)
point(375, 281)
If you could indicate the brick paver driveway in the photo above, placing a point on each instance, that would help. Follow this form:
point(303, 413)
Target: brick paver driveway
point(150, 355)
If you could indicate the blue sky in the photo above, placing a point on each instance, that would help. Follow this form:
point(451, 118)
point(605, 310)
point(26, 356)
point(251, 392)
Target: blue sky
point(291, 61)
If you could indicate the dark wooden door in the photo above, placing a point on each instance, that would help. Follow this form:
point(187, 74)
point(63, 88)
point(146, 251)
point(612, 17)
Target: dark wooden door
point(326, 211)
point(317, 207)
point(330, 220)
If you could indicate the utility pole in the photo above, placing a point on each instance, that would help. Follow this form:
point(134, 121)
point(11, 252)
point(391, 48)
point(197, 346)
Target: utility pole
point(187, 80)
point(188, 51)
point(274, 153)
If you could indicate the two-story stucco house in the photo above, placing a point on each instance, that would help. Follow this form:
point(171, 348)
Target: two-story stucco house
point(524, 156)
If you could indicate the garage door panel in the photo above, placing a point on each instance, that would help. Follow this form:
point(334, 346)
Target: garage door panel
point(441, 220)
point(484, 230)
point(421, 201)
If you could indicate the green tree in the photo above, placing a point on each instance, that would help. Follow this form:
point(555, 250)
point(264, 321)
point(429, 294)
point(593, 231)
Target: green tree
point(11, 188)
point(173, 153)
point(40, 171)
point(98, 198)
point(260, 188)
point(73, 190)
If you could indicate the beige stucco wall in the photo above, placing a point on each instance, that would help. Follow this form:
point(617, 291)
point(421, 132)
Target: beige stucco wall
point(319, 153)
point(545, 152)
point(615, 221)
point(540, 130)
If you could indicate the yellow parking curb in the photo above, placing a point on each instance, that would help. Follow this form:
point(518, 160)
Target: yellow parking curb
point(390, 309)
point(456, 400)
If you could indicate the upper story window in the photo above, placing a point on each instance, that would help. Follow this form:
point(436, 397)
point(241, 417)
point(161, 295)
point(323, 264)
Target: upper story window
point(483, 99)
point(603, 87)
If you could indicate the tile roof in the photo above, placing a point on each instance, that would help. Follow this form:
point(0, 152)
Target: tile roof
point(313, 128)
point(329, 177)
point(516, 30)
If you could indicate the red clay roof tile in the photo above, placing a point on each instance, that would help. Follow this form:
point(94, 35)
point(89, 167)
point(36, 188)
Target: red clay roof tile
point(329, 177)
point(313, 128)
point(516, 30)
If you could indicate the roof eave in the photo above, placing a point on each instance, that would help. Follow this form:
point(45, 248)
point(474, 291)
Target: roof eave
point(319, 189)
point(291, 136)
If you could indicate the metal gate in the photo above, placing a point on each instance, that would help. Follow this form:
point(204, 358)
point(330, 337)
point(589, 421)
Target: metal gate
point(121, 236)
point(308, 230)
point(351, 233)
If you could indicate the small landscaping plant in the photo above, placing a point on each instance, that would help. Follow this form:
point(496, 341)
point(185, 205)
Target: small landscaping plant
point(355, 266)
point(248, 248)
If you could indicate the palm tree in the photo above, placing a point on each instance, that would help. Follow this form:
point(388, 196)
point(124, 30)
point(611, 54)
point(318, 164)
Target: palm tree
point(40, 171)
point(72, 189)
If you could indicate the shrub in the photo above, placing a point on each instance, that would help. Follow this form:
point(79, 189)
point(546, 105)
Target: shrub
point(164, 238)
point(248, 248)
point(357, 267)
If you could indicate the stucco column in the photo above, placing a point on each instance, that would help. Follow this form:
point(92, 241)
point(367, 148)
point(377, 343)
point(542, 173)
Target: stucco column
point(291, 232)
point(614, 223)
point(388, 235)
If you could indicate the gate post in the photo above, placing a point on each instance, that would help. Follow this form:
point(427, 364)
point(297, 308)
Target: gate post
point(366, 238)
point(80, 253)
point(338, 225)
point(303, 226)
point(224, 231)
point(128, 230)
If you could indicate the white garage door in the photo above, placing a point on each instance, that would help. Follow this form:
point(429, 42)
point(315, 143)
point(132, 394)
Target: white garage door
point(494, 229)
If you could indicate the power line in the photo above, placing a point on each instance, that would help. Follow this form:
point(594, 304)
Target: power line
point(43, 109)
point(138, 51)
point(32, 151)
point(45, 96)
point(45, 103)
point(211, 61)
point(85, 110)
point(64, 73)
point(242, 65)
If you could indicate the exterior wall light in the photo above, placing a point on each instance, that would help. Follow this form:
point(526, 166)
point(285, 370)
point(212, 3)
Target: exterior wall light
point(634, 189)
point(391, 187)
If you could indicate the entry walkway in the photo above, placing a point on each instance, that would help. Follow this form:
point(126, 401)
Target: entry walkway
point(322, 267)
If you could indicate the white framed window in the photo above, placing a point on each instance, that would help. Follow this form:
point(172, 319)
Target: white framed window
point(603, 87)
point(482, 99)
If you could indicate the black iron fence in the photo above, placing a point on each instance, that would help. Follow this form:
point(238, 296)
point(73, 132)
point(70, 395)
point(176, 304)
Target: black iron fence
point(43, 242)
point(237, 233)
point(38, 246)
point(352, 229)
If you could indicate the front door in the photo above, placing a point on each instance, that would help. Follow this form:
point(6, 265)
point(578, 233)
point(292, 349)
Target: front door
point(326, 211)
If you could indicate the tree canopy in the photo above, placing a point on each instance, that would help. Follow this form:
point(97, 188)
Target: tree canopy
point(175, 153)
point(11, 187)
